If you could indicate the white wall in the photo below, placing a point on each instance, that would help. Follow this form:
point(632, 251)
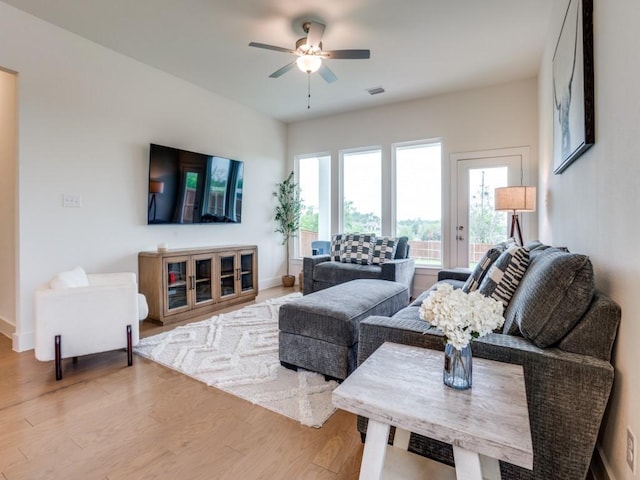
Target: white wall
point(592, 207)
point(86, 118)
point(481, 119)
point(8, 179)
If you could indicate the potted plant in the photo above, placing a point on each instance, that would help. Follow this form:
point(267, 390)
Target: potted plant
point(287, 216)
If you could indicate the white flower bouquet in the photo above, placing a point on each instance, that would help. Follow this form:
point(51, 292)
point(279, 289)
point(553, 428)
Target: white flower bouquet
point(461, 316)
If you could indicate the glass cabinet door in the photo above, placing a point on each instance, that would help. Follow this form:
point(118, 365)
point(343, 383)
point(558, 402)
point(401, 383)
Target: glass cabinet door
point(227, 274)
point(246, 271)
point(177, 283)
point(203, 279)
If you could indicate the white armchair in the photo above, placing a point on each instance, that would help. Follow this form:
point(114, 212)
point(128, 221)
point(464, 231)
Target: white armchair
point(79, 314)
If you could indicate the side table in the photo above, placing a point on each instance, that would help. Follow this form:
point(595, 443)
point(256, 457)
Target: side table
point(402, 386)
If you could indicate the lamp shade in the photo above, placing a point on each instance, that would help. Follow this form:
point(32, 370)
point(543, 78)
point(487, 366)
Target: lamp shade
point(516, 199)
point(309, 63)
point(156, 186)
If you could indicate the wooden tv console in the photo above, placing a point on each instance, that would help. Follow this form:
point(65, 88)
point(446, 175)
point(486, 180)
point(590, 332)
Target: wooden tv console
point(188, 283)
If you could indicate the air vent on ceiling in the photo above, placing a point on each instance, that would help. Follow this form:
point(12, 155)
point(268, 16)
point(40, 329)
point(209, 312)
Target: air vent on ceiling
point(375, 90)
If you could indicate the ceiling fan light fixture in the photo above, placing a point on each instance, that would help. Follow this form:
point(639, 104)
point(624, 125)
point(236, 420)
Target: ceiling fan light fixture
point(309, 63)
point(310, 54)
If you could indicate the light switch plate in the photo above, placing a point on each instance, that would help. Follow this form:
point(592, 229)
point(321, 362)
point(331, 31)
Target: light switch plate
point(71, 200)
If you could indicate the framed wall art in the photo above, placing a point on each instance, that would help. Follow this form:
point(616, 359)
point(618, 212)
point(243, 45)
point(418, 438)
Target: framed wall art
point(573, 90)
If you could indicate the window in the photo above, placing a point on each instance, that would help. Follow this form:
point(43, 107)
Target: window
point(418, 194)
point(314, 176)
point(361, 191)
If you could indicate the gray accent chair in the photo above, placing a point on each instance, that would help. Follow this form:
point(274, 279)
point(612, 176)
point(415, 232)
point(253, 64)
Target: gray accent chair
point(320, 272)
point(568, 382)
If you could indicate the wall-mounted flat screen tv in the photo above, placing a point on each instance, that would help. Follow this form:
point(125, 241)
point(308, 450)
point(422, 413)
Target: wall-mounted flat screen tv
point(188, 187)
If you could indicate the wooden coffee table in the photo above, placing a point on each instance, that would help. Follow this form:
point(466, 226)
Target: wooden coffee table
point(402, 386)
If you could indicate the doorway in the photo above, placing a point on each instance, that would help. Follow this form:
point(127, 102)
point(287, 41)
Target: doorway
point(477, 226)
point(8, 202)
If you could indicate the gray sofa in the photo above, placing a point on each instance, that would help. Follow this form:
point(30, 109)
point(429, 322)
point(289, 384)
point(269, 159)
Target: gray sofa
point(320, 272)
point(568, 379)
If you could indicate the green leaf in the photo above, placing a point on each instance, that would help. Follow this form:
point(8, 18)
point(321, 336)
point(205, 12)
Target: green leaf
point(288, 211)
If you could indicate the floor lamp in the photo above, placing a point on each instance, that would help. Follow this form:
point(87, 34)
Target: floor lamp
point(154, 187)
point(514, 200)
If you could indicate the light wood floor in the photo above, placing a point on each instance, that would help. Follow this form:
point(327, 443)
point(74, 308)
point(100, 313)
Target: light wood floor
point(107, 421)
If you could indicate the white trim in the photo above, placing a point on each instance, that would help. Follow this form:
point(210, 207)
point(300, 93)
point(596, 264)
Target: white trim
point(6, 327)
point(23, 341)
point(269, 283)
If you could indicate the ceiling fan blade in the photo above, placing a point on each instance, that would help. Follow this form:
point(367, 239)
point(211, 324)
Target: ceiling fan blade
point(326, 73)
point(346, 54)
point(314, 36)
point(271, 47)
point(283, 70)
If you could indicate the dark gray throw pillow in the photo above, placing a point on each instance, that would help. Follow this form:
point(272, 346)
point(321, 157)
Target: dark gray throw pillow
point(402, 248)
point(553, 296)
point(503, 278)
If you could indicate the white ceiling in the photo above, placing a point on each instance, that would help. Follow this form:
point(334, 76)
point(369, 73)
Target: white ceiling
point(418, 47)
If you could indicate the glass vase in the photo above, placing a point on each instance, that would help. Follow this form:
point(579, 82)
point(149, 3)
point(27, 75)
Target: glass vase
point(457, 367)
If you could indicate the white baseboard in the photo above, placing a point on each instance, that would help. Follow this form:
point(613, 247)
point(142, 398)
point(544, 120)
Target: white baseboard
point(23, 342)
point(6, 328)
point(271, 282)
point(20, 343)
point(600, 468)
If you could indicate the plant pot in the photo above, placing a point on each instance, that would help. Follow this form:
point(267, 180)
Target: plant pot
point(288, 280)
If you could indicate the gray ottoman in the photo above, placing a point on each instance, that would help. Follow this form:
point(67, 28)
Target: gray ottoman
point(319, 332)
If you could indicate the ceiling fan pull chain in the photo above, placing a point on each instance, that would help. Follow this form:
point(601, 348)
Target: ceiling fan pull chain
point(308, 90)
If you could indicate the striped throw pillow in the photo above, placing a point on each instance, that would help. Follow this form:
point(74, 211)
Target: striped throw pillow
point(503, 278)
point(481, 269)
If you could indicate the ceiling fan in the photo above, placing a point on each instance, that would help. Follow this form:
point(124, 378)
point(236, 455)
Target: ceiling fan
point(310, 54)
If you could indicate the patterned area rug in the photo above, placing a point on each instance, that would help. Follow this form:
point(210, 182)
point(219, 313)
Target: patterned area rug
point(238, 352)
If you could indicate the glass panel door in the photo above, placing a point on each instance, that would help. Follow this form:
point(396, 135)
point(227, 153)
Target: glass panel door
point(177, 286)
point(478, 225)
point(246, 272)
point(486, 226)
point(203, 283)
point(227, 274)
